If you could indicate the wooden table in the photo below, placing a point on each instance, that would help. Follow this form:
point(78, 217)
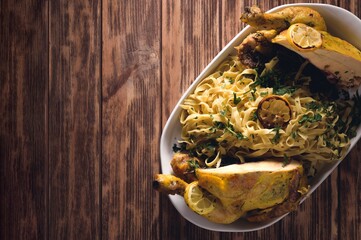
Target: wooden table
point(86, 88)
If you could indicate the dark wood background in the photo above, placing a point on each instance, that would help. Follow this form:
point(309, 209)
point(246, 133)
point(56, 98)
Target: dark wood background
point(86, 88)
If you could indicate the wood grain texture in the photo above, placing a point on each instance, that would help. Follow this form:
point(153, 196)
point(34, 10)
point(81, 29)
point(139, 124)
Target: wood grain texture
point(131, 97)
point(74, 120)
point(349, 196)
point(86, 89)
point(23, 122)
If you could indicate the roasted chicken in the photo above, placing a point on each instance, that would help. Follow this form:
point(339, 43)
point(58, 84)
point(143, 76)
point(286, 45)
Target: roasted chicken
point(283, 19)
point(338, 59)
point(256, 190)
point(256, 49)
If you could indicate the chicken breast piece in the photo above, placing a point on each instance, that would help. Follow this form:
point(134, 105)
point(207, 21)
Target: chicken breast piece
point(257, 190)
point(256, 185)
point(338, 59)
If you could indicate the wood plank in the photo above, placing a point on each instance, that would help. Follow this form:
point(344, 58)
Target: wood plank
point(230, 21)
point(131, 119)
point(350, 195)
point(74, 120)
point(23, 121)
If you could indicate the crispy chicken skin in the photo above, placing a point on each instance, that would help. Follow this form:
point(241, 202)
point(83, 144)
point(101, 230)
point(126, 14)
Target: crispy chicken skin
point(283, 19)
point(169, 184)
point(256, 49)
point(183, 166)
point(298, 188)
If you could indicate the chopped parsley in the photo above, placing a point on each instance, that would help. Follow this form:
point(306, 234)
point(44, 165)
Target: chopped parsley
point(230, 80)
point(313, 105)
point(272, 79)
point(284, 90)
point(311, 119)
point(236, 99)
point(180, 148)
point(286, 160)
point(277, 136)
point(254, 116)
point(193, 165)
point(229, 128)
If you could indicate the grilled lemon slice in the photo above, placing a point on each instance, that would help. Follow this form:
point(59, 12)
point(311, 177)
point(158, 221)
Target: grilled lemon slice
point(199, 200)
point(274, 111)
point(303, 36)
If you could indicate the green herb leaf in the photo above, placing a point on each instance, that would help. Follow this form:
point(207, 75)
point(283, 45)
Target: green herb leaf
point(273, 79)
point(254, 116)
point(277, 136)
point(315, 118)
point(229, 128)
point(193, 164)
point(286, 160)
point(230, 80)
point(180, 148)
point(236, 99)
point(284, 90)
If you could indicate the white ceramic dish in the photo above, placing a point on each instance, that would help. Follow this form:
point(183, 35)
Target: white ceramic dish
point(340, 23)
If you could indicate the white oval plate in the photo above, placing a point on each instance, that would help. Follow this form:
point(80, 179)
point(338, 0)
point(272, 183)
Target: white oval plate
point(340, 23)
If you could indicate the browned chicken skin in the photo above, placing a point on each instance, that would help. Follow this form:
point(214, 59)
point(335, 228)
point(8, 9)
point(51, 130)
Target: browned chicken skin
point(169, 184)
point(283, 19)
point(183, 166)
point(291, 204)
point(256, 48)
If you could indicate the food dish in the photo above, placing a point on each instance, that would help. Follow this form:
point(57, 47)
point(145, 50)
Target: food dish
point(337, 20)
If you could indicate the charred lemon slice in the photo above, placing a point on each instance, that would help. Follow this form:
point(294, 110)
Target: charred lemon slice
point(199, 200)
point(303, 36)
point(274, 111)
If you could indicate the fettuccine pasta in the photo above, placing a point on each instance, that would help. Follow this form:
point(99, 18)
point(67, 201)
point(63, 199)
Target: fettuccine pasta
point(219, 120)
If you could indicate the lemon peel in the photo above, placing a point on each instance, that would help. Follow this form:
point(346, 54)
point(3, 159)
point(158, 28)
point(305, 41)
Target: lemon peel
point(198, 199)
point(305, 37)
